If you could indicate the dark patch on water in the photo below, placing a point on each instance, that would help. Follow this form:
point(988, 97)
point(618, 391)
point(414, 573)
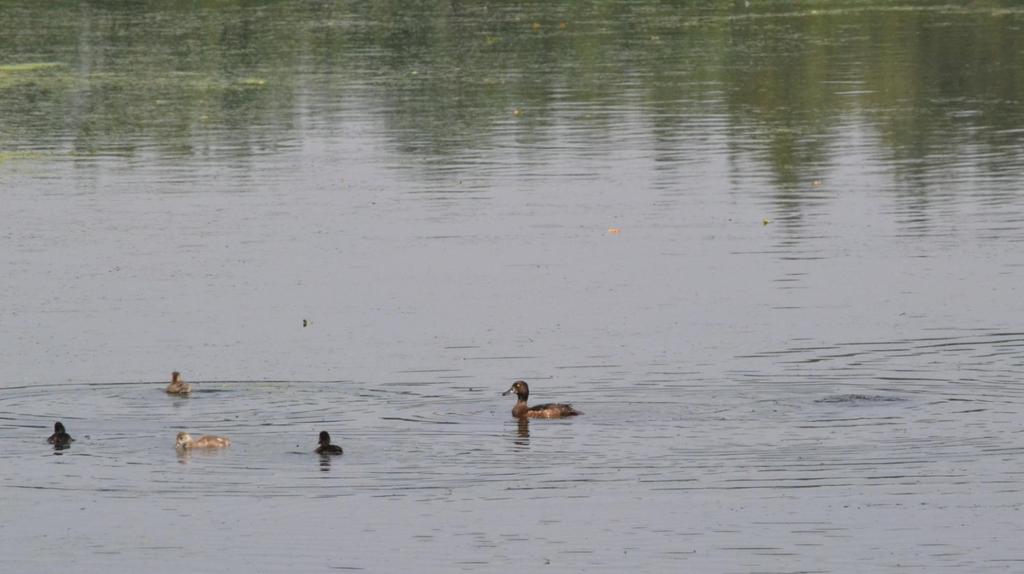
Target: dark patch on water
point(408, 420)
point(857, 398)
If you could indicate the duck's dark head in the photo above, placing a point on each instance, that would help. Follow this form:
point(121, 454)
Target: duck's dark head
point(520, 388)
point(58, 428)
point(174, 376)
point(325, 438)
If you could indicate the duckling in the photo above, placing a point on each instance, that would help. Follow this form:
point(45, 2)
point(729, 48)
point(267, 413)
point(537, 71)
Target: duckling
point(178, 386)
point(185, 441)
point(60, 438)
point(545, 411)
point(325, 445)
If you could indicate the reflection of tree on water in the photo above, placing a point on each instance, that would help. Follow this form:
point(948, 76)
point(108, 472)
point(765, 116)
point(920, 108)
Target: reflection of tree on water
point(785, 87)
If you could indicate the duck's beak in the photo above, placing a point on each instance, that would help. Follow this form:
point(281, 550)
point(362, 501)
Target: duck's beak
point(510, 389)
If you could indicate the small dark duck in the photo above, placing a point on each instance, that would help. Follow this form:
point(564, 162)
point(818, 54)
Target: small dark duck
point(545, 411)
point(60, 437)
point(325, 445)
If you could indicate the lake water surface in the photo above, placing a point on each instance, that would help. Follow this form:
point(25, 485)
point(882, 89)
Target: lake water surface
point(773, 250)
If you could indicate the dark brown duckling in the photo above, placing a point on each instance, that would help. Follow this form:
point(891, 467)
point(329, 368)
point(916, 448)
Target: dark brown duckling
point(60, 437)
point(545, 411)
point(325, 445)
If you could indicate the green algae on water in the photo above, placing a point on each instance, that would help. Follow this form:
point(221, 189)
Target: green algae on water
point(31, 72)
point(28, 67)
point(9, 156)
point(256, 82)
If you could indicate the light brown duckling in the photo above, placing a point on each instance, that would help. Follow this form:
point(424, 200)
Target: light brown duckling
point(185, 441)
point(325, 445)
point(178, 386)
point(545, 411)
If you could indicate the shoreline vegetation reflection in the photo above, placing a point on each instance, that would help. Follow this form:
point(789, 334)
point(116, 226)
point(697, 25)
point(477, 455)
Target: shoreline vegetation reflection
point(787, 86)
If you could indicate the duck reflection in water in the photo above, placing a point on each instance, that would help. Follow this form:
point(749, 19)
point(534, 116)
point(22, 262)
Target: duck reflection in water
point(325, 462)
point(523, 432)
point(523, 429)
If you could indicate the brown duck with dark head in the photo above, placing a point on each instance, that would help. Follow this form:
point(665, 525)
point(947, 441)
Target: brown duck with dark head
point(545, 411)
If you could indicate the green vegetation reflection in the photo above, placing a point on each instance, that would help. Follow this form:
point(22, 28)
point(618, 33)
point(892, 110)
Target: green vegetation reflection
point(442, 78)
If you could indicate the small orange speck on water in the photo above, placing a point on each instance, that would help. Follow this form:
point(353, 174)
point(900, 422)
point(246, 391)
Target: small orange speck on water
point(614, 230)
point(816, 183)
point(765, 221)
point(563, 25)
point(536, 26)
point(517, 112)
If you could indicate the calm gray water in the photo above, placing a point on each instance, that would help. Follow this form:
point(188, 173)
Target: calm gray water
point(774, 252)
